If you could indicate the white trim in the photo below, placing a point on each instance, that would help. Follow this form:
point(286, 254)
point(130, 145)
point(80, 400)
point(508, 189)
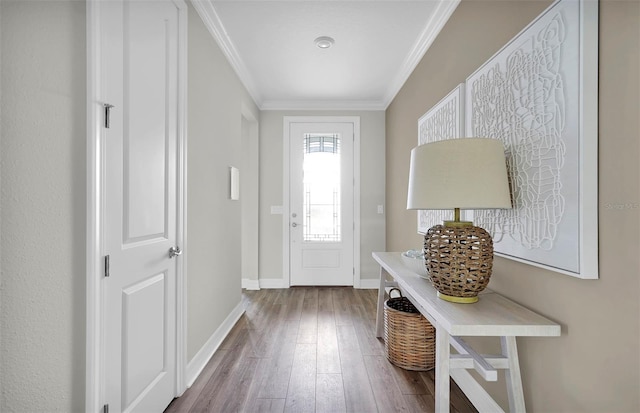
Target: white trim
point(286, 122)
point(181, 193)
point(270, 283)
point(247, 113)
point(589, 27)
point(438, 19)
point(212, 22)
point(94, 369)
point(278, 283)
point(93, 377)
point(249, 284)
point(364, 105)
point(250, 256)
point(202, 357)
point(368, 284)
point(356, 203)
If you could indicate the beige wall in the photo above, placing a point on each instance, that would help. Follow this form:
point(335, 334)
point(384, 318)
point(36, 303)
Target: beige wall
point(42, 238)
point(216, 100)
point(372, 163)
point(594, 366)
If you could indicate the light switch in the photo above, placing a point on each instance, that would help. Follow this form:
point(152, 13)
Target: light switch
point(276, 209)
point(380, 209)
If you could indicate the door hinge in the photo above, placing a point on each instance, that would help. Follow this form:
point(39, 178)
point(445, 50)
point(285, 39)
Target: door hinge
point(105, 408)
point(354, 270)
point(107, 115)
point(106, 265)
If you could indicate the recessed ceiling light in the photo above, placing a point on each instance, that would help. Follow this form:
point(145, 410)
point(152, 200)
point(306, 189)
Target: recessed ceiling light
point(324, 42)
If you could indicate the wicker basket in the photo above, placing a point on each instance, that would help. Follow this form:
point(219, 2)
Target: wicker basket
point(409, 339)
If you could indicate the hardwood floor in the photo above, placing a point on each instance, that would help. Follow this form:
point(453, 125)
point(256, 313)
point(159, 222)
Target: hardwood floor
point(309, 349)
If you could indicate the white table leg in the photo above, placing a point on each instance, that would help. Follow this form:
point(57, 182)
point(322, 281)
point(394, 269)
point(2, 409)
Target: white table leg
point(380, 312)
point(512, 374)
point(443, 351)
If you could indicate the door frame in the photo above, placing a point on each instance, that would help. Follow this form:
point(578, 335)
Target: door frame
point(286, 139)
point(250, 211)
point(95, 369)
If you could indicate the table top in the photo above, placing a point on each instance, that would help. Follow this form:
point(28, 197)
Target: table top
point(492, 315)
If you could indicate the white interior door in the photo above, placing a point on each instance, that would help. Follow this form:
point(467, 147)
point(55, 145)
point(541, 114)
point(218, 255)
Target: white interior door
point(321, 194)
point(140, 78)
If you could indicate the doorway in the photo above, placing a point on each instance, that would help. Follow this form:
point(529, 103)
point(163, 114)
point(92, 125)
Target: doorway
point(321, 187)
point(249, 200)
point(136, 163)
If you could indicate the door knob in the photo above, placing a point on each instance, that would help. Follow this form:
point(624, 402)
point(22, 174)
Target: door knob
point(294, 224)
point(174, 252)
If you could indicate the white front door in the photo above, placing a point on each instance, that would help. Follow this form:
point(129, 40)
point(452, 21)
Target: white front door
point(321, 194)
point(140, 80)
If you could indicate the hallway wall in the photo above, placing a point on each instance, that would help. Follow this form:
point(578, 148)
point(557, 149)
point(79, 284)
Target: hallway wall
point(42, 215)
point(215, 103)
point(594, 366)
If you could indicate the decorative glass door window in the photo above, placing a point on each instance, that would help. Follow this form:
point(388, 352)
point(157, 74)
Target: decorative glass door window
point(321, 201)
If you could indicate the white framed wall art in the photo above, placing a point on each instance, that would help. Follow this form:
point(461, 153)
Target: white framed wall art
point(539, 95)
point(445, 120)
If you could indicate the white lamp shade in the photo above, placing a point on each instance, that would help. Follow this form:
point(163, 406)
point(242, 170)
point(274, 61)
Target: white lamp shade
point(465, 173)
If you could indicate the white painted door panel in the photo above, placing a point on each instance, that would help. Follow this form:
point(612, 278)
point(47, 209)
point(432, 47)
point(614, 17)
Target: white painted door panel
point(141, 81)
point(321, 221)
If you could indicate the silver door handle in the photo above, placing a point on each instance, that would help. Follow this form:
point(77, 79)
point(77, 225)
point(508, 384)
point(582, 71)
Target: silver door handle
point(294, 225)
point(174, 252)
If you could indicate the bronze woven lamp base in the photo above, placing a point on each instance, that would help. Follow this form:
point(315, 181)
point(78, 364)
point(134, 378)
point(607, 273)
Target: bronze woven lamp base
point(459, 260)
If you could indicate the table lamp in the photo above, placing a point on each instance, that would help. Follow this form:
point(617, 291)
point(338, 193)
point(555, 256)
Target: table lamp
point(462, 173)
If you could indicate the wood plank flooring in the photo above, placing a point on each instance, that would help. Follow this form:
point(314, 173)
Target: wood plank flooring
point(309, 349)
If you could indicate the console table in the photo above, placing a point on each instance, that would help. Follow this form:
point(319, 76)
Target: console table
point(493, 315)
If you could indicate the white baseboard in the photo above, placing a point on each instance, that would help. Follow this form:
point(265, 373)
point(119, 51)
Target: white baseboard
point(369, 284)
point(273, 283)
point(200, 360)
point(248, 284)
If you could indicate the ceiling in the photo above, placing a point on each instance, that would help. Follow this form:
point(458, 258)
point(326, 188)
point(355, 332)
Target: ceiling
point(270, 45)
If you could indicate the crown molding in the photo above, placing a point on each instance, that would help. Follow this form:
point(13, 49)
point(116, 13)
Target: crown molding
point(439, 18)
point(365, 105)
point(212, 21)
